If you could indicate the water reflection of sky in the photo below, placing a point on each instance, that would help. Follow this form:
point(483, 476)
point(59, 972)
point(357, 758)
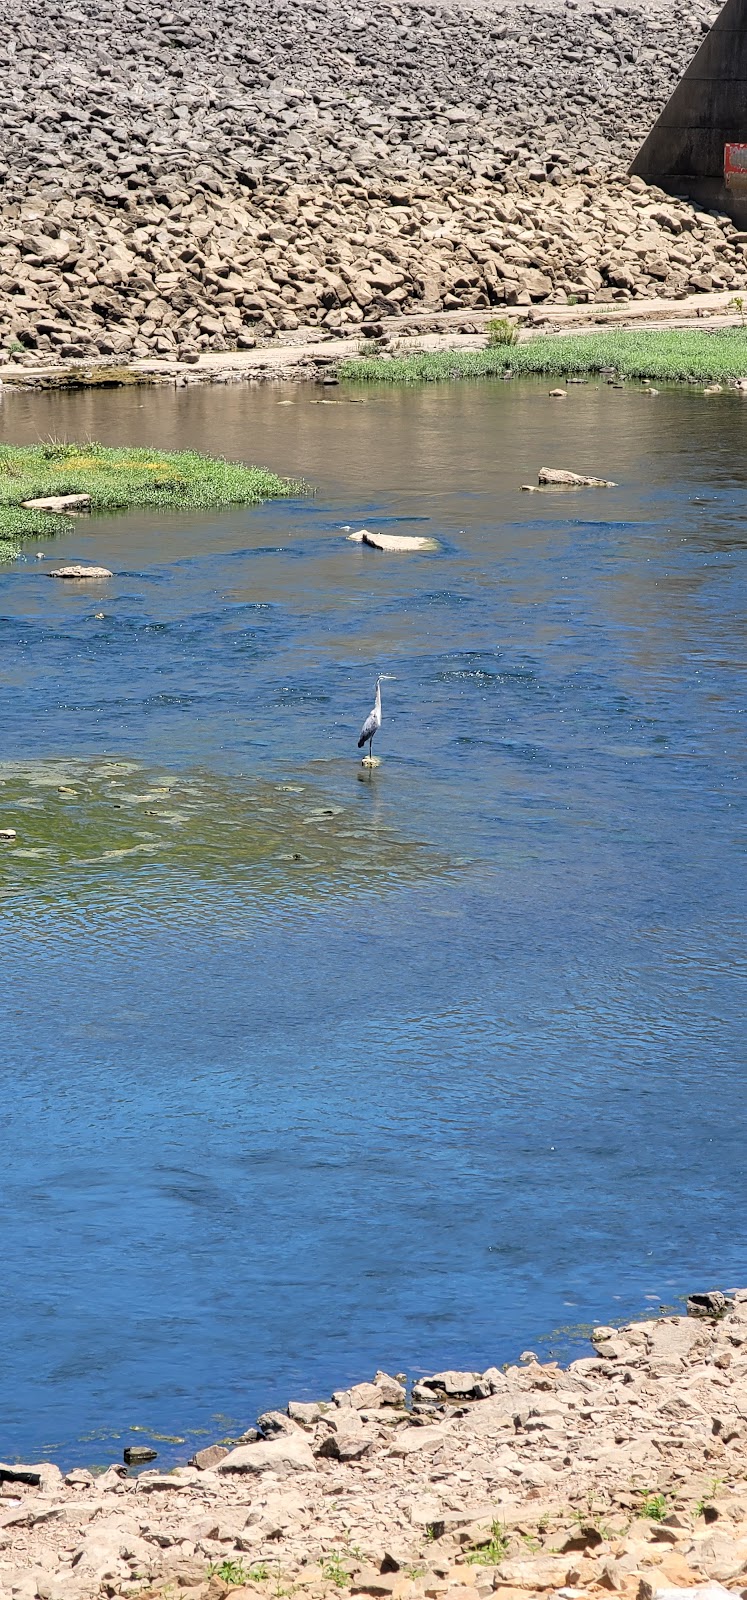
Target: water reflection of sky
point(476, 1073)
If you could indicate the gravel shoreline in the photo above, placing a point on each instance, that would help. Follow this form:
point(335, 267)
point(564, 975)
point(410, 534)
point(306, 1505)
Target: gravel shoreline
point(623, 1473)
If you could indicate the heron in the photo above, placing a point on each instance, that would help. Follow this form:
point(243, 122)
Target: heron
point(373, 720)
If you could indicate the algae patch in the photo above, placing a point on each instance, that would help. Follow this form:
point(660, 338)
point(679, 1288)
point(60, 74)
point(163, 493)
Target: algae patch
point(108, 835)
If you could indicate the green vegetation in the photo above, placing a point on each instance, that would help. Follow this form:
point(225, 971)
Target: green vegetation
point(653, 1506)
point(670, 356)
point(236, 1572)
point(493, 1550)
point(334, 1571)
point(708, 1498)
point(501, 332)
point(121, 480)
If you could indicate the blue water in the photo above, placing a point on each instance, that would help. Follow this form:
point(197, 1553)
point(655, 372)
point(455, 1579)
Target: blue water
point(336, 1069)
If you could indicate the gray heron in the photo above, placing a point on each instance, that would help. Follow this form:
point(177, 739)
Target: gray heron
point(373, 720)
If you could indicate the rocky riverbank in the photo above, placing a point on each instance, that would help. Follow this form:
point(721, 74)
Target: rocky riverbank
point(180, 182)
point(210, 274)
point(623, 1474)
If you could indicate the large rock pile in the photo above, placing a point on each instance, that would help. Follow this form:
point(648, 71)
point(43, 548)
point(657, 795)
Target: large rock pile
point(192, 178)
point(623, 1474)
point(118, 100)
point(198, 272)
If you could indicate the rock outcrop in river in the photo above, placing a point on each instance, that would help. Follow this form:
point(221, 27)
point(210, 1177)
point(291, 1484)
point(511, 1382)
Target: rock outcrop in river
point(196, 178)
point(622, 1474)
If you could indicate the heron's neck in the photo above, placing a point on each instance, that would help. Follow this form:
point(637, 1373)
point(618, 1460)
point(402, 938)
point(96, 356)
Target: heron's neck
point(378, 697)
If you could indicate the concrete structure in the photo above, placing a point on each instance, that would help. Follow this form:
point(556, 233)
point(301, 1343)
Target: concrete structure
point(684, 152)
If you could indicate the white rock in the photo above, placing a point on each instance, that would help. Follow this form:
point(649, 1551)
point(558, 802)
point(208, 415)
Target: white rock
point(59, 502)
point(395, 542)
point(79, 571)
point(283, 1456)
point(559, 477)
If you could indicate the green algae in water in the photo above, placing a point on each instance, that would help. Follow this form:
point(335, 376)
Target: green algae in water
point(122, 838)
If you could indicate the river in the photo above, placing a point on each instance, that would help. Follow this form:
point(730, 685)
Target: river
point(307, 1069)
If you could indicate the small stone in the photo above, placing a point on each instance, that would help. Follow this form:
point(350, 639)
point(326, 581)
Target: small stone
point(8, 833)
point(558, 394)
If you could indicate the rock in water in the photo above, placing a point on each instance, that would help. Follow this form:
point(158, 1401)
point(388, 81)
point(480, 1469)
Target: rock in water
point(135, 1455)
point(59, 502)
point(80, 572)
point(396, 543)
point(559, 478)
point(711, 1304)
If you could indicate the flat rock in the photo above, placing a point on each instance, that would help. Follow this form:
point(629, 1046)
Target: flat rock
point(560, 478)
point(698, 1591)
point(396, 543)
point(59, 502)
point(283, 1456)
point(77, 571)
point(413, 1439)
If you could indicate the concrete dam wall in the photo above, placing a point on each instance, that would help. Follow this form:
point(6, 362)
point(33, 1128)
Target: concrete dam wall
point(684, 152)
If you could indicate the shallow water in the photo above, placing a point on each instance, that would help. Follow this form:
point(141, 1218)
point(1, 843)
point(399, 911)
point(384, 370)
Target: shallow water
point(309, 1069)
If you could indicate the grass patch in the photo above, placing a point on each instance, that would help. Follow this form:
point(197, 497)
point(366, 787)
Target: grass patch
point(671, 356)
point(501, 331)
point(121, 480)
point(654, 1506)
point(235, 1572)
point(493, 1550)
